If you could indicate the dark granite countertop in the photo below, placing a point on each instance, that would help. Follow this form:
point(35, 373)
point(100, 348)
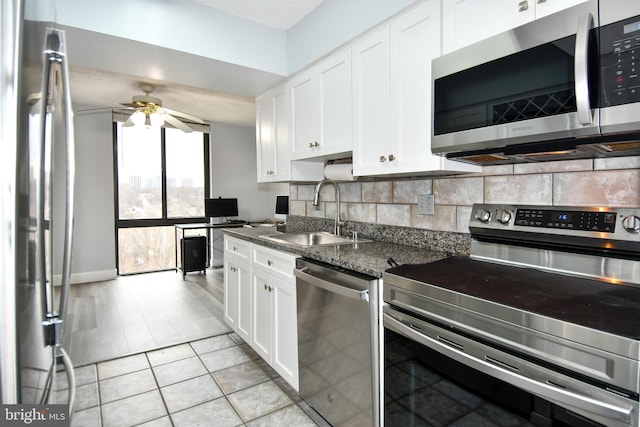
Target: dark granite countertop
point(365, 257)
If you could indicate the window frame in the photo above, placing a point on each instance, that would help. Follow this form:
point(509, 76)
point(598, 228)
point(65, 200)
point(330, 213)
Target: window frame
point(155, 222)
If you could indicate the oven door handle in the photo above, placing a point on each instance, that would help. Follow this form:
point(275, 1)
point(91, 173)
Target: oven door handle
point(546, 391)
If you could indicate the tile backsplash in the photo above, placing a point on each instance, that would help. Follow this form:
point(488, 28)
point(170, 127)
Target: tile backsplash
point(591, 182)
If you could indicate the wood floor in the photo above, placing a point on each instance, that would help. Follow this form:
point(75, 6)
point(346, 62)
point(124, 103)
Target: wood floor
point(134, 314)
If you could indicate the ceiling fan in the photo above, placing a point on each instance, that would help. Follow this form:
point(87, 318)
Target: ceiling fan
point(150, 112)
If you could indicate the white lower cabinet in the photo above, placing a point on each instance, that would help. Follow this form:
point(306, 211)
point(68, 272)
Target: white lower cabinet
point(237, 286)
point(260, 303)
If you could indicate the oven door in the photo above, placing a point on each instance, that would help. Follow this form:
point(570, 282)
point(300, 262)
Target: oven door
point(535, 83)
point(437, 376)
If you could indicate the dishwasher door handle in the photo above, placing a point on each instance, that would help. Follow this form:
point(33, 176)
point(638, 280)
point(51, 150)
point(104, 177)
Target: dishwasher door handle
point(332, 287)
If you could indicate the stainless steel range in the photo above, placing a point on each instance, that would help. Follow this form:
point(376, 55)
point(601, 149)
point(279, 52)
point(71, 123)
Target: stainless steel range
point(541, 322)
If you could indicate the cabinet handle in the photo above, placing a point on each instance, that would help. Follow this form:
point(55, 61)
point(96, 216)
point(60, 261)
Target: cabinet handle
point(269, 172)
point(235, 248)
point(542, 1)
point(391, 157)
point(383, 159)
point(523, 5)
point(314, 144)
point(269, 262)
point(267, 288)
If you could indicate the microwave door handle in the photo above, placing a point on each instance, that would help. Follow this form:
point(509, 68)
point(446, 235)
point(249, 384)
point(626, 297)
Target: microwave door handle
point(581, 69)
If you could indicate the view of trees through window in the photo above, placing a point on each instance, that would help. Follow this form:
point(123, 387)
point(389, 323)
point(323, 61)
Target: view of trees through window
point(161, 180)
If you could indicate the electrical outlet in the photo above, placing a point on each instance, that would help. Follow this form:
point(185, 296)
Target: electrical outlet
point(426, 204)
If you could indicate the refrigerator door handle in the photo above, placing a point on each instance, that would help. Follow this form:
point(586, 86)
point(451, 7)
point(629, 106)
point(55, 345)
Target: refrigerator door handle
point(71, 378)
point(51, 375)
point(54, 53)
point(70, 186)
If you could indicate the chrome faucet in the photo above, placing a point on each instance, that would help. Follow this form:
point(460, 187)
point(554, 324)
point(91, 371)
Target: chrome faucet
point(316, 201)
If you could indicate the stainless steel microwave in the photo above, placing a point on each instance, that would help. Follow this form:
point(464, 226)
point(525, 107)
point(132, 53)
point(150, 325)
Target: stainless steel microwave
point(561, 87)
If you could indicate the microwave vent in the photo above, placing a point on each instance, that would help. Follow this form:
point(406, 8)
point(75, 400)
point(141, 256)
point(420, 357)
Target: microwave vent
point(482, 158)
point(622, 146)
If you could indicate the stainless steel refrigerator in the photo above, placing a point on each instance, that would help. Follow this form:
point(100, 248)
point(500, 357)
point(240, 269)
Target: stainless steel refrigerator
point(36, 213)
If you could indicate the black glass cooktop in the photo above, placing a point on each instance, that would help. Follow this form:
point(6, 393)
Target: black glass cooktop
point(607, 307)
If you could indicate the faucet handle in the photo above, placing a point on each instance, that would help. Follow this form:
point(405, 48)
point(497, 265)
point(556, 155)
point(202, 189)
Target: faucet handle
point(355, 236)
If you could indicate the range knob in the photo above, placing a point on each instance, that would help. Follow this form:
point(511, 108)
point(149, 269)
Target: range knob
point(503, 216)
point(483, 215)
point(631, 223)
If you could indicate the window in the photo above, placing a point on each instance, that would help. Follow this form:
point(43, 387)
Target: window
point(161, 179)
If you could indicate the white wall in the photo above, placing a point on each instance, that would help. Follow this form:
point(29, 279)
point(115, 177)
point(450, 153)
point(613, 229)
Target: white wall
point(332, 24)
point(94, 225)
point(184, 26)
point(233, 174)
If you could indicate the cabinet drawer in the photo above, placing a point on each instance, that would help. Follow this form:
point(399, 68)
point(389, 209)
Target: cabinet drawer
point(277, 262)
point(238, 247)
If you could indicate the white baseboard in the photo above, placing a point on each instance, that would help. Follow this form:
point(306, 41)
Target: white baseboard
point(87, 276)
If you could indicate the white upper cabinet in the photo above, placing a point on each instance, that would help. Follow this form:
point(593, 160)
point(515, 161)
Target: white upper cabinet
point(468, 21)
point(392, 97)
point(321, 108)
point(272, 142)
point(371, 103)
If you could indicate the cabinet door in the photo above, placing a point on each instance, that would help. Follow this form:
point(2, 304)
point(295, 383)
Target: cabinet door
point(414, 42)
point(272, 133)
point(285, 328)
point(230, 290)
point(262, 323)
point(304, 115)
point(371, 103)
point(243, 314)
point(467, 21)
point(334, 81)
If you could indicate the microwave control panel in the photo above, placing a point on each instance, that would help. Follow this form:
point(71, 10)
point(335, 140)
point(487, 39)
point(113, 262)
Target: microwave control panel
point(620, 62)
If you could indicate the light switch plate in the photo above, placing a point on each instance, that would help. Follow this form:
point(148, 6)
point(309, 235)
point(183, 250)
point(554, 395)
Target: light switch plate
point(426, 204)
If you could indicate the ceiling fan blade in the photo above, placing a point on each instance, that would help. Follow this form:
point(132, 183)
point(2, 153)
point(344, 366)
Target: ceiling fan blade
point(184, 115)
point(133, 104)
point(176, 123)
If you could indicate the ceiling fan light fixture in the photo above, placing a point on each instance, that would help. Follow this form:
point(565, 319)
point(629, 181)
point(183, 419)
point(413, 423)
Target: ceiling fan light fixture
point(137, 118)
point(150, 112)
point(156, 119)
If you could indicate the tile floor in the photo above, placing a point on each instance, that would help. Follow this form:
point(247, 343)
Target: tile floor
point(140, 313)
point(217, 381)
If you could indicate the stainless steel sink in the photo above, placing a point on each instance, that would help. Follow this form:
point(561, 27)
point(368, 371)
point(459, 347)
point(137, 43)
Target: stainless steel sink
point(314, 238)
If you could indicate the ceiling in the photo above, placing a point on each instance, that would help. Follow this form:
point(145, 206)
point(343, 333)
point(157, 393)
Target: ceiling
point(108, 88)
point(282, 14)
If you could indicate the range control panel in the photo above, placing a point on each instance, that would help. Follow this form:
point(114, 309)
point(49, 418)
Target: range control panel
point(594, 222)
point(604, 222)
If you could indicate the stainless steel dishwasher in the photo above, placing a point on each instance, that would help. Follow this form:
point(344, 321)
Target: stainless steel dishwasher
point(338, 347)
